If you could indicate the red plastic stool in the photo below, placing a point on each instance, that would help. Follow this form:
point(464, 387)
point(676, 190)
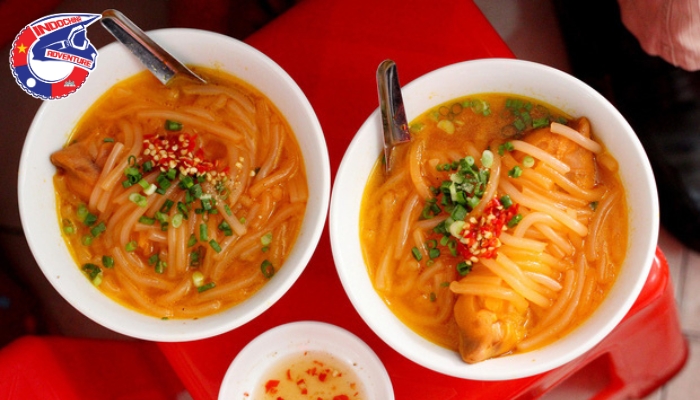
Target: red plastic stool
point(49, 367)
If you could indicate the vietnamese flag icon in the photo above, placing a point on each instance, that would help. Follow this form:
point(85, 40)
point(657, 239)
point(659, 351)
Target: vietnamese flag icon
point(20, 47)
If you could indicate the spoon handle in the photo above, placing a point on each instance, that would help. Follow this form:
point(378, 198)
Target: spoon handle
point(392, 109)
point(161, 63)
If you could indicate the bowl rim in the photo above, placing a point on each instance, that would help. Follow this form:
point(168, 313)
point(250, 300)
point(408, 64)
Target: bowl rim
point(386, 325)
point(128, 321)
point(306, 335)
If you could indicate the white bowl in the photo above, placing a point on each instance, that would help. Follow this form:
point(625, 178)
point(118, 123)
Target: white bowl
point(54, 122)
point(507, 76)
point(251, 364)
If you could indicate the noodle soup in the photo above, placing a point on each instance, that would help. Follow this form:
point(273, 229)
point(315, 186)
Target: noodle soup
point(501, 227)
point(181, 202)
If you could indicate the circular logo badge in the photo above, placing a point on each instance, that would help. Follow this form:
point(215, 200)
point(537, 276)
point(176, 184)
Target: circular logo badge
point(52, 57)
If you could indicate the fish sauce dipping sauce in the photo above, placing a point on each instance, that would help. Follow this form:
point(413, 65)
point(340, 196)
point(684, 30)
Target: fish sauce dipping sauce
point(514, 231)
point(505, 225)
point(181, 201)
point(176, 213)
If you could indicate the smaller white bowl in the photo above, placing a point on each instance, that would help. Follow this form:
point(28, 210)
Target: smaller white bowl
point(248, 369)
point(55, 121)
point(523, 78)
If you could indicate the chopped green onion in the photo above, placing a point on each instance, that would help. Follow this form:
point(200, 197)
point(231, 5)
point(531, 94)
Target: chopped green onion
point(528, 162)
point(172, 125)
point(459, 213)
point(147, 166)
point(195, 257)
point(183, 209)
point(82, 212)
point(138, 199)
point(186, 182)
point(87, 240)
point(108, 140)
point(192, 240)
point(161, 217)
point(540, 122)
point(93, 272)
point(90, 219)
point(196, 190)
point(487, 158)
point(519, 124)
point(225, 228)
point(515, 220)
point(506, 201)
point(160, 266)
point(266, 239)
point(68, 227)
point(463, 268)
point(131, 246)
point(107, 261)
point(434, 253)
point(98, 229)
point(416, 254)
point(153, 259)
point(507, 146)
point(214, 245)
point(515, 172)
point(165, 208)
point(594, 205)
point(206, 287)
point(176, 220)
point(147, 220)
point(268, 270)
point(203, 235)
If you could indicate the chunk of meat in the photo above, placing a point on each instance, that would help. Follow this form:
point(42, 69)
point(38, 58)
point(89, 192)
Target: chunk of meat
point(581, 161)
point(487, 331)
point(81, 163)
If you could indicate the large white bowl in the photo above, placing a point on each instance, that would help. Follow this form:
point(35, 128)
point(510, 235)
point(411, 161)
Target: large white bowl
point(54, 122)
point(508, 76)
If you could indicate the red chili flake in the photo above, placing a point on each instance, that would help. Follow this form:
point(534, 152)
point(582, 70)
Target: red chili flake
point(341, 397)
point(480, 237)
point(271, 386)
point(322, 376)
point(301, 384)
point(178, 151)
point(289, 374)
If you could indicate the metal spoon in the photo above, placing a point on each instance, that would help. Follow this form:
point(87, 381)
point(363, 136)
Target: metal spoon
point(392, 110)
point(161, 63)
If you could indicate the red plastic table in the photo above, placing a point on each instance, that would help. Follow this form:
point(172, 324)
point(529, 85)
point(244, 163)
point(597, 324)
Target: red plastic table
point(332, 49)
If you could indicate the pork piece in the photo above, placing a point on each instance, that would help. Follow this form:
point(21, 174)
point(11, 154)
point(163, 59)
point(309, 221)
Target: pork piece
point(487, 332)
point(581, 161)
point(81, 162)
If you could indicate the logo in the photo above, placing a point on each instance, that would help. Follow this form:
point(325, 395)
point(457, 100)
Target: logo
point(52, 57)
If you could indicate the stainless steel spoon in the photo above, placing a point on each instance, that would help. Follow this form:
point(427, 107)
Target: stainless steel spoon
point(392, 109)
point(161, 63)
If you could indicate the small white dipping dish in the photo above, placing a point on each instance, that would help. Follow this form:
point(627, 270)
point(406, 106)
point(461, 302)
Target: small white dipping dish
point(523, 78)
point(248, 370)
point(53, 124)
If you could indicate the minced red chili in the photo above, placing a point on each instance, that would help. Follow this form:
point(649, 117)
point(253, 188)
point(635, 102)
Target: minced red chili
point(480, 237)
